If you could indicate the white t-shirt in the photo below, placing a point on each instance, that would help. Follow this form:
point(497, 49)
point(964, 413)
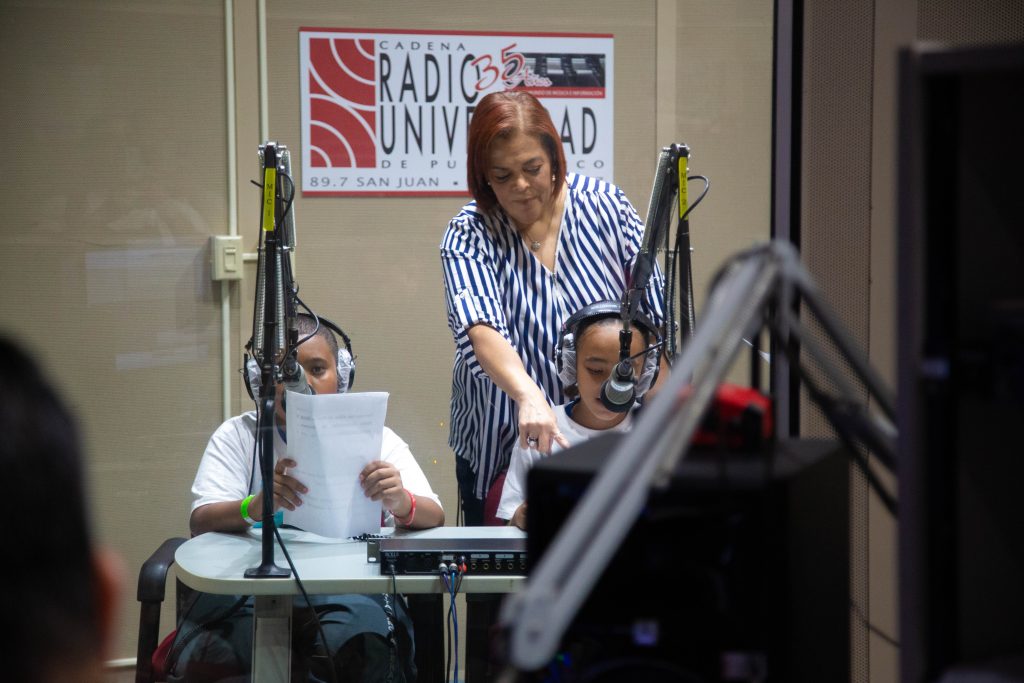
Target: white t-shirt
point(514, 492)
point(226, 470)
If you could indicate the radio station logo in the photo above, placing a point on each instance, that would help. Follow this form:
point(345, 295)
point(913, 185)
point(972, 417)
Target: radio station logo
point(342, 103)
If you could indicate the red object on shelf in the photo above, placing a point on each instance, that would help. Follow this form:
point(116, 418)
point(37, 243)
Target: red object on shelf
point(739, 418)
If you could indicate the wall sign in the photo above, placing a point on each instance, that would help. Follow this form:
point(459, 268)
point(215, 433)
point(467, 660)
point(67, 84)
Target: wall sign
point(385, 113)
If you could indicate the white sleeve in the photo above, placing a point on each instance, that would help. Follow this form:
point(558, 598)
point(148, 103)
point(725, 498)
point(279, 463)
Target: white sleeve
point(226, 466)
point(513, 494)
point(395, 451)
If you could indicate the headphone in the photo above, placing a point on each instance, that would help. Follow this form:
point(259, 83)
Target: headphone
point(346, 365)
point(565, 352)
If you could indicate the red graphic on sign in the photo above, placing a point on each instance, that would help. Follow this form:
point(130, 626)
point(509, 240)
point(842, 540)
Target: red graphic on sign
point(342, 103)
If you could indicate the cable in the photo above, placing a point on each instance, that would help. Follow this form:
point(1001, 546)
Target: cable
point(700, 197)
point(291, 197)
point(448, 651)
point(678, 246)
point(448, 625)
point(312, 334)
point(255, 443)
point(672, 257)
point(309, 603)
point(455, 617)
point(451, 576)
point(311, 313)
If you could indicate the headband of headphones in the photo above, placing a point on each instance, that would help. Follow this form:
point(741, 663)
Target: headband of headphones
point(346, 363)
point(565, 352)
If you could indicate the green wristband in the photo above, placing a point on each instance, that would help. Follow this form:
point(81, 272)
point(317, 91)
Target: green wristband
point(245, 510)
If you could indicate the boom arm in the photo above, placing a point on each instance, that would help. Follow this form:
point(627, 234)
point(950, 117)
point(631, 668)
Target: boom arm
point(758, 287)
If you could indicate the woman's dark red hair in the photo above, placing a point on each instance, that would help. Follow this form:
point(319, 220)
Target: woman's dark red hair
point(499, 115)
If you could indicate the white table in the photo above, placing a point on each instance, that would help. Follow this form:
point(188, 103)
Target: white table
point(216, 563)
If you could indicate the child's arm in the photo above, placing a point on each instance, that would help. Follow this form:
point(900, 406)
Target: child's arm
point(519, 517)
point(382, 481)
point(226, 515)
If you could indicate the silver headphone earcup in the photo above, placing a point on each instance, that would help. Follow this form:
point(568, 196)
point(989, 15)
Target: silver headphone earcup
point(652, 362)
point(346, 370)
point(566, 361)
point(253, 378)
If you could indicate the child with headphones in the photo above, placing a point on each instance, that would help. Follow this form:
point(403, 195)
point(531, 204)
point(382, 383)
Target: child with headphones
point(368, 635)
point(588, 350)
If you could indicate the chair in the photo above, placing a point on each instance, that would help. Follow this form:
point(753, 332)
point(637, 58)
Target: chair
point(425, 610)
point(152, 584)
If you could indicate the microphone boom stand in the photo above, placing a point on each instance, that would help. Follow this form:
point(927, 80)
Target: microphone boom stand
point(669, 180)
point(269, 350)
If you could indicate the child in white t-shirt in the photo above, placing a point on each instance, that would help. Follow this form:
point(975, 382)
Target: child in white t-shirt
point(588, 351)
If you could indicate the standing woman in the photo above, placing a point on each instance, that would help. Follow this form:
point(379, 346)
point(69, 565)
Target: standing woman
point(536, 245)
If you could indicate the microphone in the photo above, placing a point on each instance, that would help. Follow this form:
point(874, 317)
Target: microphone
point(294, 377)
point(618, 392)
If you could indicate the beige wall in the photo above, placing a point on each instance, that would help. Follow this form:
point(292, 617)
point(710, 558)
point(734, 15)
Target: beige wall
point(115, 119)
point(848, 215)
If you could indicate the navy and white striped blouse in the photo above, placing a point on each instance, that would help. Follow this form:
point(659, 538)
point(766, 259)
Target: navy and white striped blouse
point(492, 277)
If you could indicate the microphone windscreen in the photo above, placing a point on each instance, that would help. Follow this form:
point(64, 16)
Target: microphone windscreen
point(295, 377)
point(619, 391)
